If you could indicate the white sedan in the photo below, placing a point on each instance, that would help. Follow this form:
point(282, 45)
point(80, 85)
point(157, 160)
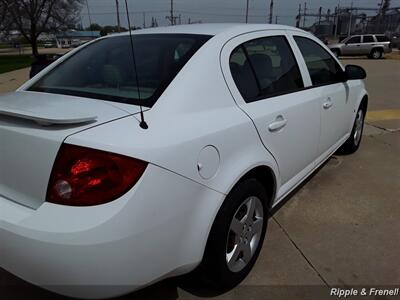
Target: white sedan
point(98, 199)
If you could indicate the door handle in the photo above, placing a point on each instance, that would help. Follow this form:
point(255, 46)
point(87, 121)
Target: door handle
point(328, 104)
point(278, 124)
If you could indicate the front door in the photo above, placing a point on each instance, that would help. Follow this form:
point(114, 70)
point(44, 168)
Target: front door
point(326, 79)
point(352, 46)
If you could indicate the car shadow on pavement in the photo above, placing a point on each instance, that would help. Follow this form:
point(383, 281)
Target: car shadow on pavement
point(17, 289)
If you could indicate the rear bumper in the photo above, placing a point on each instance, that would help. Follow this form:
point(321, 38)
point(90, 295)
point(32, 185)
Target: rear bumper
point(158, 229)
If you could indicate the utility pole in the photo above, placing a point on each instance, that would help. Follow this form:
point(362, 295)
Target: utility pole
point(350, 19)
point(171, 17)
point(328, 15)
point(247, 11)
point(276, 19)
point(319, 15)
point(337, 14)
point(298, 19)
point(271, 9)
point(118, 21)
point(305, 11)
point(144, 19)
point(172, 13)
point(381, 15)
point(90, 18)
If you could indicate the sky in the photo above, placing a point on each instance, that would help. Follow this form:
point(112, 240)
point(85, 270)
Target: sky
point(103, 12)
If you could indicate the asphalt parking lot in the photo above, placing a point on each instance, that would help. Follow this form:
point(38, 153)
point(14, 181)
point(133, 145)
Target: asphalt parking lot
point(340, 228)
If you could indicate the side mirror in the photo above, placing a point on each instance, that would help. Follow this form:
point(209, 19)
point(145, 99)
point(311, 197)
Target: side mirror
point(353, 72)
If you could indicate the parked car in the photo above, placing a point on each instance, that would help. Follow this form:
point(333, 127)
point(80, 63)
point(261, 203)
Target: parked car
point(49, 44)
point(121, 168)
point(372, 45)
point(396, 40)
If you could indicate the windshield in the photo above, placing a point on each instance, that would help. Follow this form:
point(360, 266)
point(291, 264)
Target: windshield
point(105, 69)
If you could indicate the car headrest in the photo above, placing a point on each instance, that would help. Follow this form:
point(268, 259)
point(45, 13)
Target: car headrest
point(262, 64)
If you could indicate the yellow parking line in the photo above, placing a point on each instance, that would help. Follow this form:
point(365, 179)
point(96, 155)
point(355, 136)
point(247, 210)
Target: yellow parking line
point(382, 115)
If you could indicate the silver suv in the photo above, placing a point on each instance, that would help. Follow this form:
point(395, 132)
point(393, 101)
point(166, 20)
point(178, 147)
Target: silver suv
point(373, 45)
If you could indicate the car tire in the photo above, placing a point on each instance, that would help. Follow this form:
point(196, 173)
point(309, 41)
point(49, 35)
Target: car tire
point(353, 142)
point(376, 54)
point(216, 271)
point(336, 52)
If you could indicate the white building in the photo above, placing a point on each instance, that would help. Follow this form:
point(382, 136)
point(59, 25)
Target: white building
point(73, 38)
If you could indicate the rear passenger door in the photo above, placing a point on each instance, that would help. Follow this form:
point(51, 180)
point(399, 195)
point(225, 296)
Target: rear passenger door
point(266, 82)
point(368, 42)
point(325, 80)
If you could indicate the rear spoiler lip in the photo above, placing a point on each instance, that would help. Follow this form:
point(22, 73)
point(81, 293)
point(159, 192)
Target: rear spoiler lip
point(44, 120)
point(45, 109)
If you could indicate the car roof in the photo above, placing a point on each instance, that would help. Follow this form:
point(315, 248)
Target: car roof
point(211, 29)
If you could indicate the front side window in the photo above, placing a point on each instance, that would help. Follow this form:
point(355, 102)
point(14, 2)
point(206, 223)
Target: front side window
point(105, 69)
point(368, 39)
point(323, 69)
point(354, 40)
point(264, 68)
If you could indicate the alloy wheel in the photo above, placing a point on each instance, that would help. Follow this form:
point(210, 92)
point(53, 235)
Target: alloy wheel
point(376, 54)
point(244, 234)
point(358, 126)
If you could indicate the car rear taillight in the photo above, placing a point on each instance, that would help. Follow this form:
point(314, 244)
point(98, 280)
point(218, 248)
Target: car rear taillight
point(83, 176)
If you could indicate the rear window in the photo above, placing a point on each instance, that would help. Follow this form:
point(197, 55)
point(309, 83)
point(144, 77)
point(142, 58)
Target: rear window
point(382, 38)
point(105, 69)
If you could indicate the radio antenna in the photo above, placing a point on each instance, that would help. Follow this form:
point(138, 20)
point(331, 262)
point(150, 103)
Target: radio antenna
point(142, 123)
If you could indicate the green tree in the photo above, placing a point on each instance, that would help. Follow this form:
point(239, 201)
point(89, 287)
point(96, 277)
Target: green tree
point(111, 29)
point(94, 27)
point(3, 16)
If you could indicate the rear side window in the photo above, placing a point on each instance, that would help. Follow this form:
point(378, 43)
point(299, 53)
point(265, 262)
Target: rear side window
point(382, 38)
point(368, 39)
point(105, 70)
point(322, 67)
point(264, 68)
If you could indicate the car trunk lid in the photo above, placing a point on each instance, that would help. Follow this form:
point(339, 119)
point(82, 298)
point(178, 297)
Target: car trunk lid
point(32, 128)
